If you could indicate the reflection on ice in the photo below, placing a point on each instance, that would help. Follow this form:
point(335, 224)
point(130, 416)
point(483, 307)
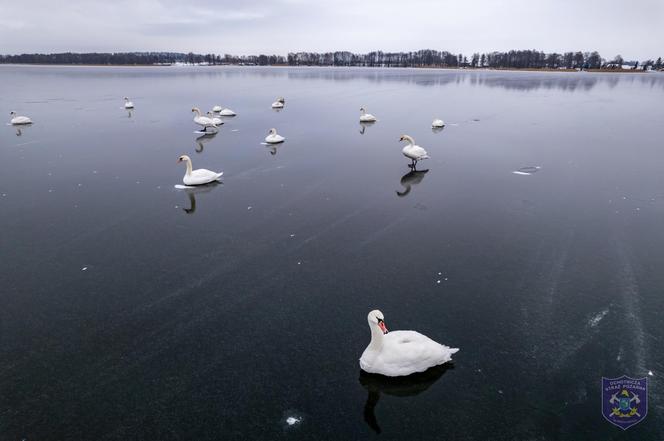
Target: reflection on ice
point(193, 191)
point(410, 385)
point(411, 178)
point(204, 139)
point(364, 125)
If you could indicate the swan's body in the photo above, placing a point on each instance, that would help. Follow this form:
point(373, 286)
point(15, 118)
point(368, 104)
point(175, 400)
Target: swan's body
point(411, 151)
point(19, 120)
point(199, 176)
point(223, 111)
point(279, 103)
point(216, 121)
point(203, 121)
point(400, 353)
point(438, 124)
point(366, 117)
point(128, 104)
point(273, 137)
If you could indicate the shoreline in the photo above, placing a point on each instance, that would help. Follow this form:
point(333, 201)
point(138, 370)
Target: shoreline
point(479, 69)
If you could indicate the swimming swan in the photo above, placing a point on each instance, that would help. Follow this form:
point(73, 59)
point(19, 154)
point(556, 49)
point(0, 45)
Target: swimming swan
point(437, 123)
point(273, 137)
point(128, 104)
point(279, 103)
point(400, 353)
point(19, 120)
point(200, 176)
point(366, 117)
point(413, 152)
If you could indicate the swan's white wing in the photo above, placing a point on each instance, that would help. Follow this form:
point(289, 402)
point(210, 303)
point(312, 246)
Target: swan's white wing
point(407, 352)
point(201, 176)
point(21, 120)
point(419, 152)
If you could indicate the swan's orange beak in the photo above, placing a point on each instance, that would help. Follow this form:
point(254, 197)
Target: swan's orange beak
point(381, 325)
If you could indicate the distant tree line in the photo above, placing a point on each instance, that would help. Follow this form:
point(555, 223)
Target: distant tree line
point(521, 59)
point(515, 59)
point(140, 58)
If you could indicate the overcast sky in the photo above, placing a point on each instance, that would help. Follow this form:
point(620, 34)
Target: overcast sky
point(632, 28)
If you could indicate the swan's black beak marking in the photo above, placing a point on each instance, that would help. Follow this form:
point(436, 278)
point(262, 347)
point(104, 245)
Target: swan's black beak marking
point(381, 325)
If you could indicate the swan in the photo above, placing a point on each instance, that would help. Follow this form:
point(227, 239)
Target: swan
point(400, 353)
point(366, 117)
point(273, 137)
point(199, 176)
point(128, 104)
point(413, 152)
point(203, 121)
point(437, 123)
point(279, 103)
point(215, 120)
point(223, 111)
point(19, 120)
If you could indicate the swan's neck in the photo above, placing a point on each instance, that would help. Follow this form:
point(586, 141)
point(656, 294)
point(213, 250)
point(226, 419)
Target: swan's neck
point(188, 167)
point(409, 140)
point(363, 112)
point(198, 112)
point(376, 337)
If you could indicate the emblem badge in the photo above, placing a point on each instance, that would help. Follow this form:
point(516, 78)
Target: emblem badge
point(624, 400)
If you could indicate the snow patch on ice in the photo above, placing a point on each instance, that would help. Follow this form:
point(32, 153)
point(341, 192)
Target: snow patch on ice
point(594, 320)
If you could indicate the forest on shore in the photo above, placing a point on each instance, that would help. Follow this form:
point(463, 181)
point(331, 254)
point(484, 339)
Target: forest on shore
point(514, 59)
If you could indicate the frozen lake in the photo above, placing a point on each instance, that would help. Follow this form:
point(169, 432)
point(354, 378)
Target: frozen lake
point(132, 309)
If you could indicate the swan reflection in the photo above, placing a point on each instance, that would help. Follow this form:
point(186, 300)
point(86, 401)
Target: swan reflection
point(204, 139)
point(364, 125)
point(411, 385)
point(130, 113)
point(437, 129)
point(413, 177)
point(193, 191)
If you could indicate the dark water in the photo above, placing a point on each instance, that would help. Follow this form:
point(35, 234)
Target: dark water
point(217, 313)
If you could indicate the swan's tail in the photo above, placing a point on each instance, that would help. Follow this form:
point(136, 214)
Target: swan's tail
point(425, 157)
point(220, 174)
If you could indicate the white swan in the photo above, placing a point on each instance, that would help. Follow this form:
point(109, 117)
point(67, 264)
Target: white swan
point(216, 121)
point(437, 123)
point(128, 104)
point(366, 117)
point(400, 353)
point(198, 177)
point(279, 103)
point(19, 120)
point(273, 137)
point(413, 152)
point(223, 111)
point(203, 121)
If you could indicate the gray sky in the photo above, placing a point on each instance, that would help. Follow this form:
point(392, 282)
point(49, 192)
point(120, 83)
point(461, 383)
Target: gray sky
point(632, 28)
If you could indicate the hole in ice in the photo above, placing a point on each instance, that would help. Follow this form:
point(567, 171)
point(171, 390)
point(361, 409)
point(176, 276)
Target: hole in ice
point(529, 170)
